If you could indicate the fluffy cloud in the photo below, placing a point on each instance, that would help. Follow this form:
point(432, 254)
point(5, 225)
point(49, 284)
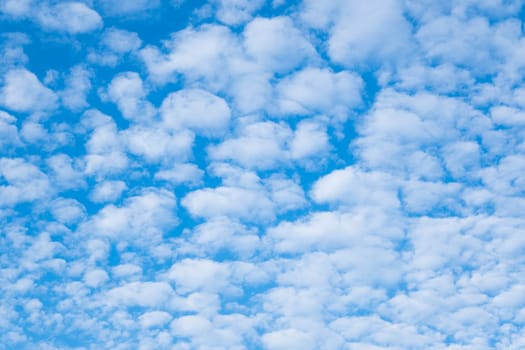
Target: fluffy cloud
point(69, 17)
point(261, 145)
point(356, 187)
point(235, 12)
point(201, 53)
point(276, 44)
point(23, 92)
point(143, 216)
point(121, 41)
point(78, 85)
point(22, 181)
point(361, 33)
point(8, 130)
point(181, 174)
point(108, 191)
point(128, 92)
point(197, 110)
point(154, 144)
point(245, 196)
point(315, 90)
point(276, 174)
point(139, 294)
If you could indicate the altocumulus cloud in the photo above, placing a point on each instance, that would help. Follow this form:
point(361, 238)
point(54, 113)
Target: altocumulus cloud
point(234, 174)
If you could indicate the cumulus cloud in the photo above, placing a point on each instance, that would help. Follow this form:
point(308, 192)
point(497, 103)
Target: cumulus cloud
point(314, 90)
point(142, 216)
point(154, 144)
point(184, 173)
point(361, 33)
point(276, 44)
point(197, 110)
point(245, 196)
point(199, 53)
point(22, 181)
point(70, 17)
point(128, 92)
point(139, 294)
point(235, 12)
point(114, 46)
point(108, 191)
point(78, 85)
point(22, 91)
point(8, 131)
point(121, 41)
point(262, 174)
point(261, 145)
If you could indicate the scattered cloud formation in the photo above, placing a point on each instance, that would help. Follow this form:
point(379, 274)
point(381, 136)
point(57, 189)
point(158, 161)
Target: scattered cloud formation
point(234, 174)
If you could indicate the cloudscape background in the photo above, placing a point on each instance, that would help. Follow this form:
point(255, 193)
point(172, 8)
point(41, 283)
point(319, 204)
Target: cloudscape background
point(257, 174)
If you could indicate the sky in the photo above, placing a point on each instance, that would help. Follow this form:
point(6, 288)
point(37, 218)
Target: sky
point(262, 174)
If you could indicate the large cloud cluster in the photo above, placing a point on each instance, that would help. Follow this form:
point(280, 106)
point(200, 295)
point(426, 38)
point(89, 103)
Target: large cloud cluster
point(232, 174)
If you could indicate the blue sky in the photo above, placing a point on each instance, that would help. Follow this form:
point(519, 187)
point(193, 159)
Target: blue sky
point(281, 175)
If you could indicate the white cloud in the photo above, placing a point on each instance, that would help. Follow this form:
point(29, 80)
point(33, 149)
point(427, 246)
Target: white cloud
point(23, 182)
point(71, 17)
point(354, 186)
point(36, 133)
point(16, 8)
point(243, 195)
point(288, 339)
point(143, 217)
point(154, 144)
point(104, 147)
point(310, 140)
point(146, 294)
point(319, 14)
point(462, 158)
point(183, 173)
point(507, 116)
point(235, 12)
point(231, 202)
point(314, 90)
point(202, 53)
point(286, 194)
point(96, 277)
point(197, 110)
point(424, 197)
point(191, 325)
point(276, 44)
point(444, 78)
point(261, 145)
point(78, 85)
point(8, 131)
point(507, 176)
point(23, 92)
point(121, 41)
point(402, 127)
point(65, 171)
point(154, 319)
point(203, 275)
point(107, 191)
point(221, 234)
point(128, 92)
point(364, 33)
point(67, 210)
point(451, 39)
point(115, 45)
point(330, 231)
point(127, 270)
